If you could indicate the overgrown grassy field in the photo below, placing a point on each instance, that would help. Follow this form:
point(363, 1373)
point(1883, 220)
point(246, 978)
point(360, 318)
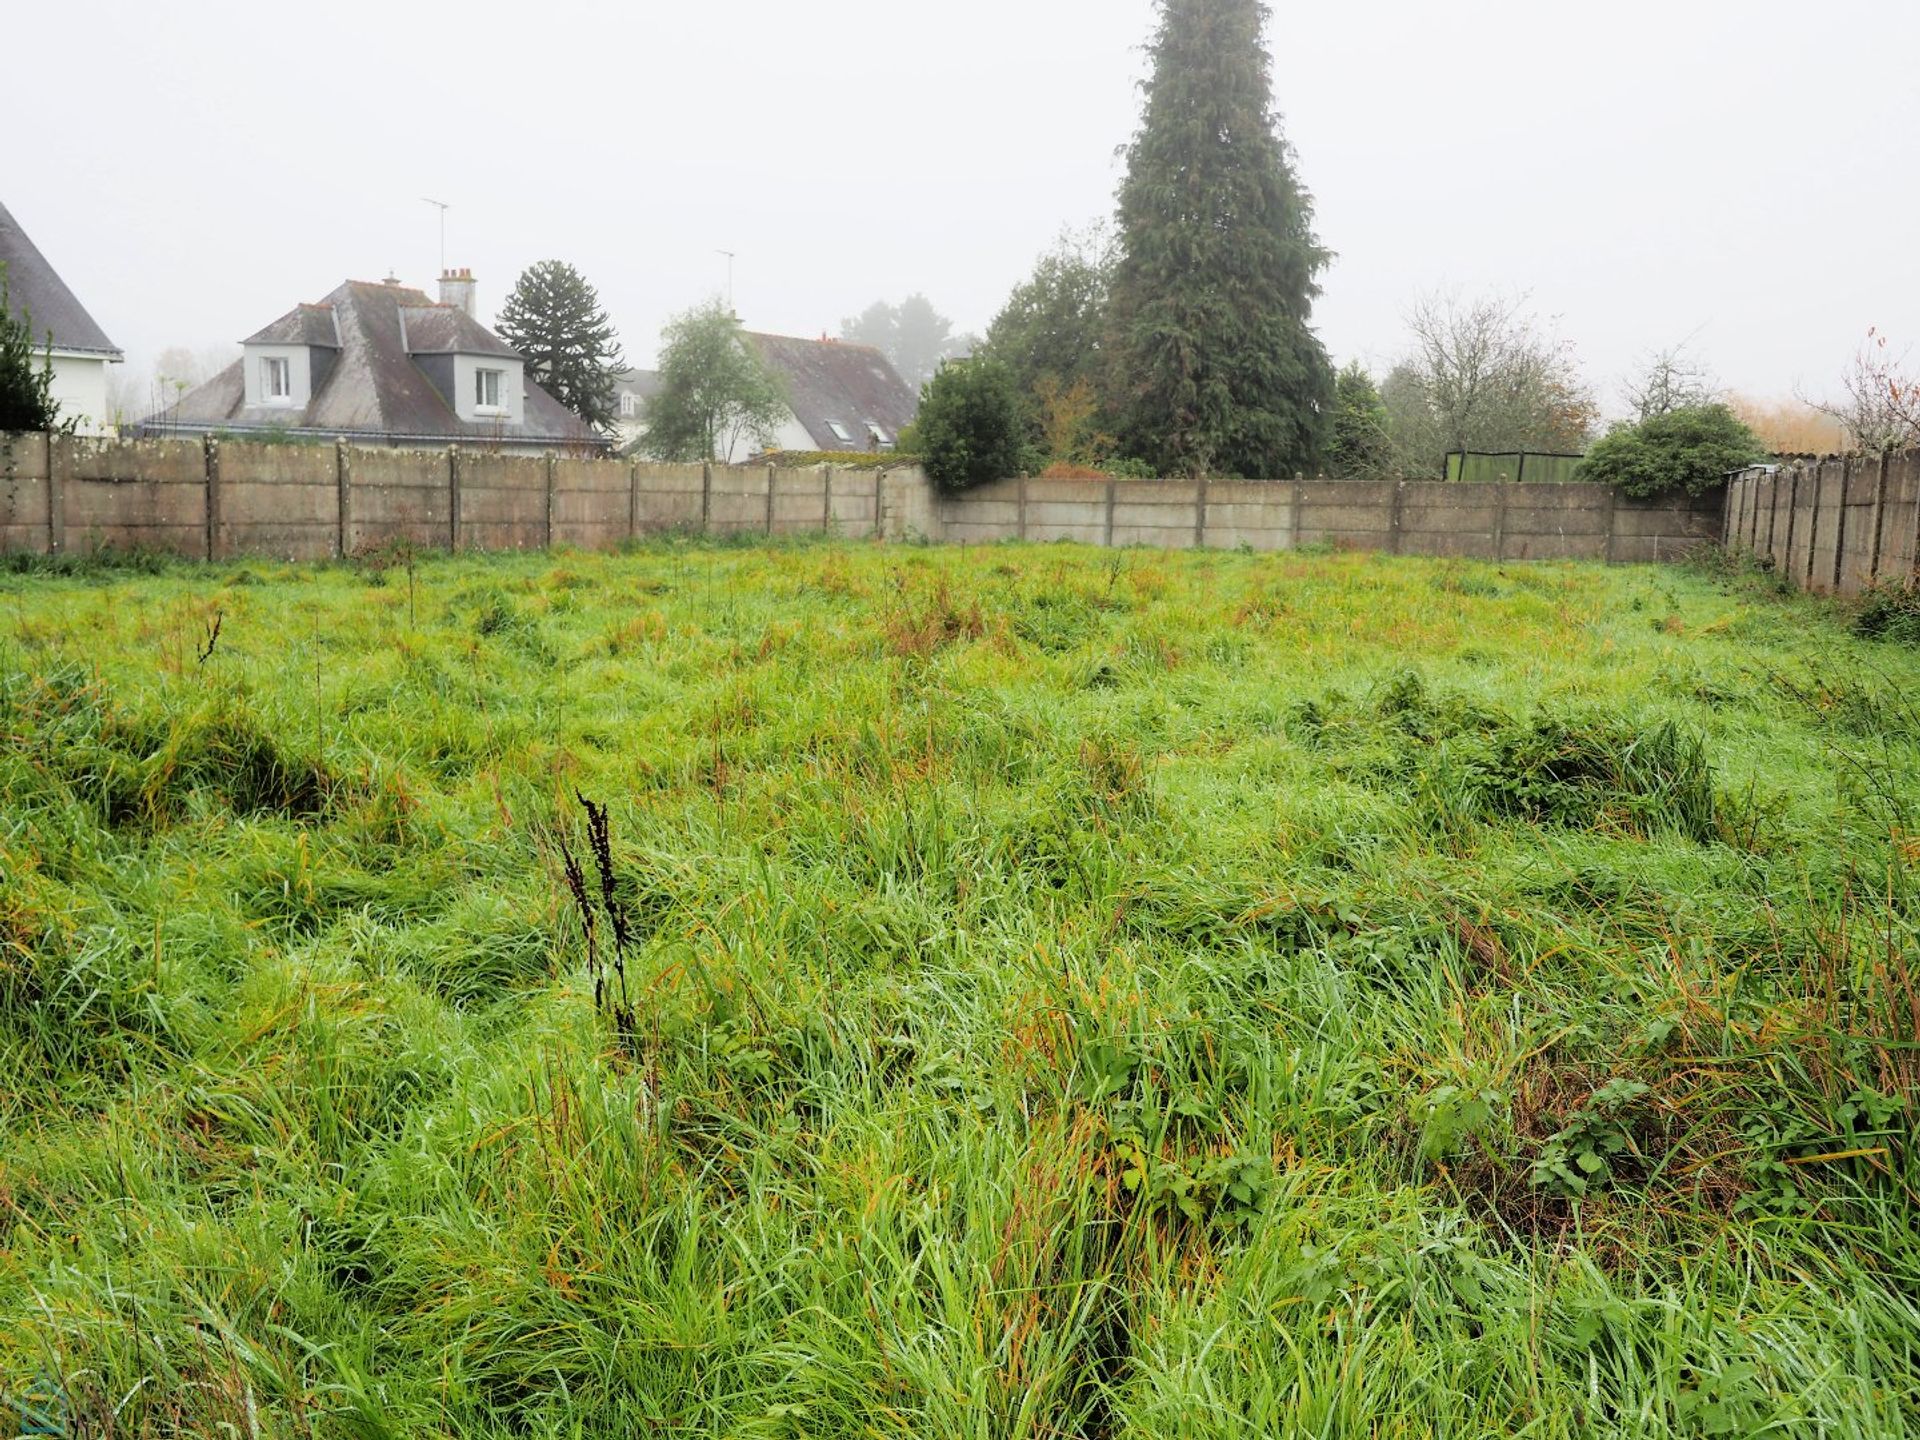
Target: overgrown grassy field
point(1031, 992)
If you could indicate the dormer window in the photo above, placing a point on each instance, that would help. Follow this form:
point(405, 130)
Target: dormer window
point(626, 405)
point(276, 380)
point(840, 432)
point(486, 389)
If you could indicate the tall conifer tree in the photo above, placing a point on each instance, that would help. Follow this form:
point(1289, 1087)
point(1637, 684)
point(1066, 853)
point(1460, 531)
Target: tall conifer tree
point(1216, 366)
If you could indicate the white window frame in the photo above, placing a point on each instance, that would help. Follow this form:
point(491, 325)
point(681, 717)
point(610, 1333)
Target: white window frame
point(484, 380)
point(840, 432)
point(626, 405)
point(276, 380)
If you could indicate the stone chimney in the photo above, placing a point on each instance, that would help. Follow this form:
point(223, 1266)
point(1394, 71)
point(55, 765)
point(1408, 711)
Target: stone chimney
point(457, 289)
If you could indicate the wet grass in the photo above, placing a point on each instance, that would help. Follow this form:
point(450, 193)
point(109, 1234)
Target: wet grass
point(1021, 992)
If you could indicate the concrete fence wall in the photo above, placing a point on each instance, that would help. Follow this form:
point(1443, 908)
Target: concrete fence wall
point(64, 494)
point(1834, 526)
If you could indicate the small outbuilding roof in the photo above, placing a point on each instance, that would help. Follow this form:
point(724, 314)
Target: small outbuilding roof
point(36, 291)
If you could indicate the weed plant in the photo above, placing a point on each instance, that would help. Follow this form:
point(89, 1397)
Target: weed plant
point(824, 990)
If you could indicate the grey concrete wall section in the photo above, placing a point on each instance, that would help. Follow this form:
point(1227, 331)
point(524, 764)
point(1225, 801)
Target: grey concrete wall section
point(799, 502)
point(309, 502)
point(1832, 526)
point(24, 494)
point(737, 500)
point(281, 501)
point(1256, 514)
point(401, 495)
point(1164, 514)
point(592, 504)
point(669, 498)
point(503, 502)
point(129, 495)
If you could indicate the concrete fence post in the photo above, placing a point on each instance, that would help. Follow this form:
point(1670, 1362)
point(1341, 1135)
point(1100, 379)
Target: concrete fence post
point(826, 503)
point(1202, 496)
point(553, 466)
point(1793, 517)
point(1613, 526)
point(880, 504)
point(1299, 516)
point(771, 472)
point(1879, 519)
point(633, 499)
point(343, 479)
point(58, 461)
point(1499, 521)
point(1022, 507)
point(1773, 516)
point(213, 498)
point(1393, 532)
point(1840, 538)
point(1813, 529)
point(1113, 494)
point(454, 477)
point(706, 497)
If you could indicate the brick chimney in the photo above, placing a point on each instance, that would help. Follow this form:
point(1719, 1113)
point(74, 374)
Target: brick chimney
point(457, 288)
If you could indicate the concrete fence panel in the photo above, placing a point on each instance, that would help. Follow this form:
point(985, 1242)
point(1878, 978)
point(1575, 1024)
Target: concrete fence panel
point(799, 502)
point(1900, 521)
point(737, 502)
point(1257, 514)
point(503, 501)
point(1067, 510)
point(984, 515)
point(1165, 514)
point(853, 508)
point(276, 500)
point(399, 495)
point(669, 498)
point(592, 503)
point(129, 495)
point(24, 511)
point(1348, 515)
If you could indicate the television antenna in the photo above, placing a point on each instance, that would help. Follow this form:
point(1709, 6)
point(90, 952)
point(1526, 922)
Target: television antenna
point(731, 257)
point(443, 208)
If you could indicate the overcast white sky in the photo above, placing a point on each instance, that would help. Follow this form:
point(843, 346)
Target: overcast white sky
point(1747, 173)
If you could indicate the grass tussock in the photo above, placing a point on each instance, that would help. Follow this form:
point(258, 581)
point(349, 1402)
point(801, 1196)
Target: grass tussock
point(813, 990)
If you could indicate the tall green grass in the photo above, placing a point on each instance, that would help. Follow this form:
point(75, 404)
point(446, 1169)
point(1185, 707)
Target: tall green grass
point(1033, 992)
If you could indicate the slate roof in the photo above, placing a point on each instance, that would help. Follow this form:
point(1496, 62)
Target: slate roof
point(375, 388)
point(35, 289)
point(641, 384)
point(449, 330)
point(303, 325)
point(831, 380)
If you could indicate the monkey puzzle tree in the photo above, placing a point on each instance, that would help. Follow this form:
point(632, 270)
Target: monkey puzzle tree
point(1216, 366)
point(554, 319)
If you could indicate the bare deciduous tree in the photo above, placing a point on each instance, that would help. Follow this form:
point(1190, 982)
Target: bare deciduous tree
point(1669, 380)
point(1880, 404)
point(1484, 375)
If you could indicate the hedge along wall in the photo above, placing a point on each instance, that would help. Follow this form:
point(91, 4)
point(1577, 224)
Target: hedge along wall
point(1832, 526)
point(216, 499)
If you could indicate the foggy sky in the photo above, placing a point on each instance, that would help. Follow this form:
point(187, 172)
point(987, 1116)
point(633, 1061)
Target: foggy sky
point(1741, 173)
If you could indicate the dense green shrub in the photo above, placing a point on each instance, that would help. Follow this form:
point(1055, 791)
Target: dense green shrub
point(971, 429)
point(1689, 450)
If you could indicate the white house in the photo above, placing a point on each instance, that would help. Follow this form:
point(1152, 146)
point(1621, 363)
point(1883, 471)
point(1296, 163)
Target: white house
point(840, 396)
point(81, 349)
